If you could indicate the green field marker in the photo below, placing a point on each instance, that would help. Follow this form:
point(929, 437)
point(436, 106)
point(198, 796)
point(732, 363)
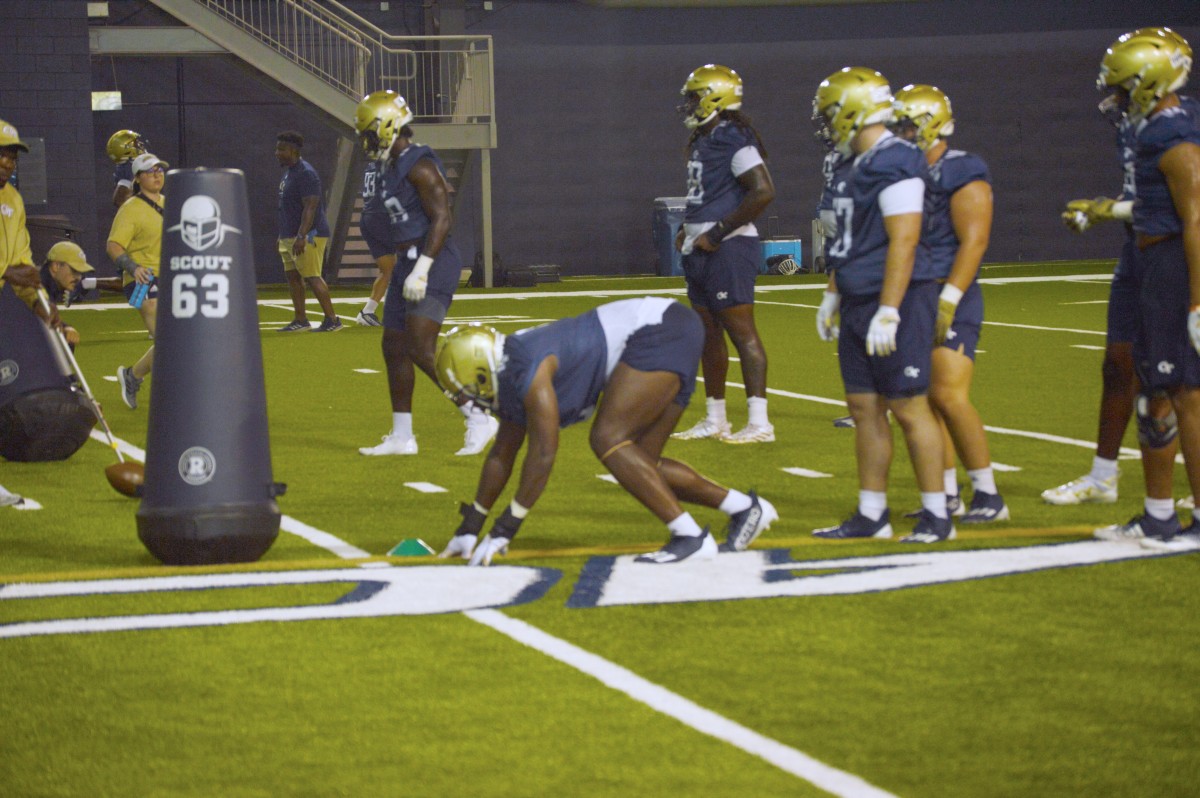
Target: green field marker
point(411, 547)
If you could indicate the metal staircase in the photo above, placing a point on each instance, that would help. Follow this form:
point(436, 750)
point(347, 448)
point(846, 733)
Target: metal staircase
point(331, 57)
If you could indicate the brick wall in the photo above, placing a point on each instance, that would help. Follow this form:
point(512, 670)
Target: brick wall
point(46, 94)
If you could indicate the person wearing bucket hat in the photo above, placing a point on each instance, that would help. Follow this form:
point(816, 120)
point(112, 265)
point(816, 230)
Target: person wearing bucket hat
point(16, 259)
point(135, 246)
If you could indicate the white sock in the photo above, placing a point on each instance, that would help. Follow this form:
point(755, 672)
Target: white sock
point(1103, 469)
point(950, 480)
point(983, 480)
point(872, 503)
point(685, 526)
point(935, 503)
point(715, 410)
point(758, 410)
point(734, 502)
point(402, 425)
point(370, 306)
point(1162, 509)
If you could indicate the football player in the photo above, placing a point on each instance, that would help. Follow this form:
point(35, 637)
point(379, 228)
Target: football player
point(728, 186)
point(413, 191)
point(123, 147)
point(832, 165)
point(1141, 73)
point(1119, 380)
point(377, 232)
point(884, 287)
point(958, 224)
point(636, 359)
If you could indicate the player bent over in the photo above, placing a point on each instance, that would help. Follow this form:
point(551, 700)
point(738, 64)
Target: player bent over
point(642, 355)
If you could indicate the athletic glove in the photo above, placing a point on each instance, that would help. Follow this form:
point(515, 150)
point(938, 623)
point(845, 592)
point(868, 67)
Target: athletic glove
point(467, 533)
point(418, 280)
point(498, 539)
point(1194, 327)
point(947, 305)
point(827, 316)
point(1082, 214)
point(881, 335)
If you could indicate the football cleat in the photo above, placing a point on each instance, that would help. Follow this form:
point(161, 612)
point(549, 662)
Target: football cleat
point(1138, 527)
point(1186, 540)
point(330, 325)
point(985, 507)
point(1086, 489)
point(954, 507)
point(392, 444)
point(129, 386)
point(704, 429)
point(365, 319)
point(680, 548)
point(844, 422)
point(746, 526)
point(857, 526)
point(752, 433)
point(930, 529)
point(478, 435)
point(295, 325)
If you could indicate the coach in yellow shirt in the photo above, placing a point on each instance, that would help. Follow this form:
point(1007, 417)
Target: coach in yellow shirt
point(16, 259)
point(135, 245)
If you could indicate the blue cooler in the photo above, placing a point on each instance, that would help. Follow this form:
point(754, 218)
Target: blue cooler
point(773, 247)
point(668, 218)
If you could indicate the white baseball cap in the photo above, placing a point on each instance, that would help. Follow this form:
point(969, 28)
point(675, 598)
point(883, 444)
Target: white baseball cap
point(147, 161)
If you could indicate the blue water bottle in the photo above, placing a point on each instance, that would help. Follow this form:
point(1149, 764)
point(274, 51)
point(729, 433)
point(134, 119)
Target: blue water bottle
point(139, 293)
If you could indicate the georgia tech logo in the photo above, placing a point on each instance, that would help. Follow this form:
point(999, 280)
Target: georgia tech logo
point(9, 371)
point(197, 465)
point(1165, 367)
point(200, 224)
point(912, 372)
point(6, 210)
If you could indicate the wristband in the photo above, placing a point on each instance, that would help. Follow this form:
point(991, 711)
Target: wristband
point(716, 234)
point(1123, 211)
point(423, 265)
point(519, 512)
point(126, 264)
point(951, 294)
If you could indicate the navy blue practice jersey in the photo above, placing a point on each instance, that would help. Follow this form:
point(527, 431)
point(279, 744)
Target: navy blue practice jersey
point(1154, 211)
point(400, 197)
point(713, 191)
point(952, 171)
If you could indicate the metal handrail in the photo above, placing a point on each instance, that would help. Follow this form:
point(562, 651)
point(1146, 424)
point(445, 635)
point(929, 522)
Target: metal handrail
point(438, 75)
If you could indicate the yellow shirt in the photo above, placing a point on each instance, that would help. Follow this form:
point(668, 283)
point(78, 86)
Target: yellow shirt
point(14, 237)
point(138, 229)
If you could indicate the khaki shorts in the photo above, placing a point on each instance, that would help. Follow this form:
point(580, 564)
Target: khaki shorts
point(309, 263)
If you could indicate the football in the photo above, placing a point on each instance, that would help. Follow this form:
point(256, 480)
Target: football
point(126, 477)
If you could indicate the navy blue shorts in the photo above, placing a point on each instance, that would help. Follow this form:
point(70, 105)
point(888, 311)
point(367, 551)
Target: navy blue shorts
point(968, 322)
point(443, 282)
point(725, 278)
point(1124, 315)
point(151, 294)
point(903, 373)
point(671, 346)
point(1163, 351)
point(376, 229)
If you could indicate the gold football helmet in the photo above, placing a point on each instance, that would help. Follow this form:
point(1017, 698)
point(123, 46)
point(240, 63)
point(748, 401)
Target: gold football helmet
point(707, 91)
point(124, 145)
point(378, 120)
point(925, 109)
point(849, 100)
point(467, 362)
point(1143, 67)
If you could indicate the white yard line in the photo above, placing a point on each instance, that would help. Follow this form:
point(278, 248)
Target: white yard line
point(689, 713)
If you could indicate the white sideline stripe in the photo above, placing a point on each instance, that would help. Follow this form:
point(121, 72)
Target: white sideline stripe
point(805, 472)
point(425, 487)
point(1047, 329)
point(1088, 346)
point(324, 540)
point(660, 699)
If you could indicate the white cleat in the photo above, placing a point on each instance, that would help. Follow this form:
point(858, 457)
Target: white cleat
point(1083, 490)
point(753, 433)
point(704, 429)
point(478, 436)
point(392, 444)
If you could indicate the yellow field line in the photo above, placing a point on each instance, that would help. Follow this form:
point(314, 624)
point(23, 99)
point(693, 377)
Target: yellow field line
point(142, 572)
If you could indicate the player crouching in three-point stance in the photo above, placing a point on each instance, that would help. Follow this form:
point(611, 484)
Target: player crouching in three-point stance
point(633, 363)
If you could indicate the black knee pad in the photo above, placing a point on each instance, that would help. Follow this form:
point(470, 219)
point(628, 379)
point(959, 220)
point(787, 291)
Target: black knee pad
point(1154, 433)
point(50, 424)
